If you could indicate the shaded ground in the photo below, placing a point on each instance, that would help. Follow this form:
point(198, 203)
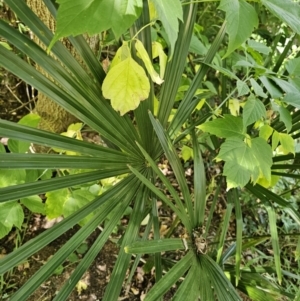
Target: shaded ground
point(94, 280)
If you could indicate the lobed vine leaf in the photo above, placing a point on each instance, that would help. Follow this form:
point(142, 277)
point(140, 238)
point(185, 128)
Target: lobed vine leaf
point(126, 85)
point(75, 201)
point(229, 126)
point(34, 203)
point(265, 132)
point(55, 202)
point(241, 19)
point(93, 16)
point(245, 162)
point(11, 214)
point(12, 177)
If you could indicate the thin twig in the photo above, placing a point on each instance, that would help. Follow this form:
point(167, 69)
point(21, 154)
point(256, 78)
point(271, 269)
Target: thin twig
point(23, 105)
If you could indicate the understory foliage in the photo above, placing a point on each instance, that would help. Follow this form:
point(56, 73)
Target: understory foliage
point(230, 89)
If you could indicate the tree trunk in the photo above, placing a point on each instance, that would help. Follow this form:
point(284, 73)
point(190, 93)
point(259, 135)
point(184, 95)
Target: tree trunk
point(53, 117)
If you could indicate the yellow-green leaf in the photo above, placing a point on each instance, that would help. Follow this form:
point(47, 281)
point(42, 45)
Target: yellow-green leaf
point(186, 153)
point(55, 202)
point(152, 11)
point(148, 64)
point(287, 144)
point(234, 106)
point(158, 51)
point(75, 126)
point(265, 132)
point(126, 86)
point(275, 140)
point(122, 53)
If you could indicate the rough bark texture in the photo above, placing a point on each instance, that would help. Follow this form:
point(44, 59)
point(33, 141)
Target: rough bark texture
point(53, 117)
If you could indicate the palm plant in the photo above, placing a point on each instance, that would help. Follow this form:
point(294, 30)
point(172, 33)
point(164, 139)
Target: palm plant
point(135, 145)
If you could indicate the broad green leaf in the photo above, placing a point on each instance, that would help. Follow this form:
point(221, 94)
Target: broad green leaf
point(285, 117)
point(10, 177)
point(293, 66)
point(287, 11)
point(11, 214)
point(239, 162)
point(243, 162)
point(224, 71)
point(169, 11)
point(262, 151)
point(16, 146)
point(241, 19)
point(287, 143)
point(32, 175)
point(34, 204)
point(293, 98)
point(4, 230)
point(229, 126)
point(126, 85)
point(253, 111)
point(260, 47)
point(43, 174)
point(2, 148)
point(244, 63)
point(271, 88)
point(197, 46)
point(75, 201)
point(93, 16)
point(55, 202)
point(265, 132)
point(148, 64)
point(242, 88)
point(258, 90)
